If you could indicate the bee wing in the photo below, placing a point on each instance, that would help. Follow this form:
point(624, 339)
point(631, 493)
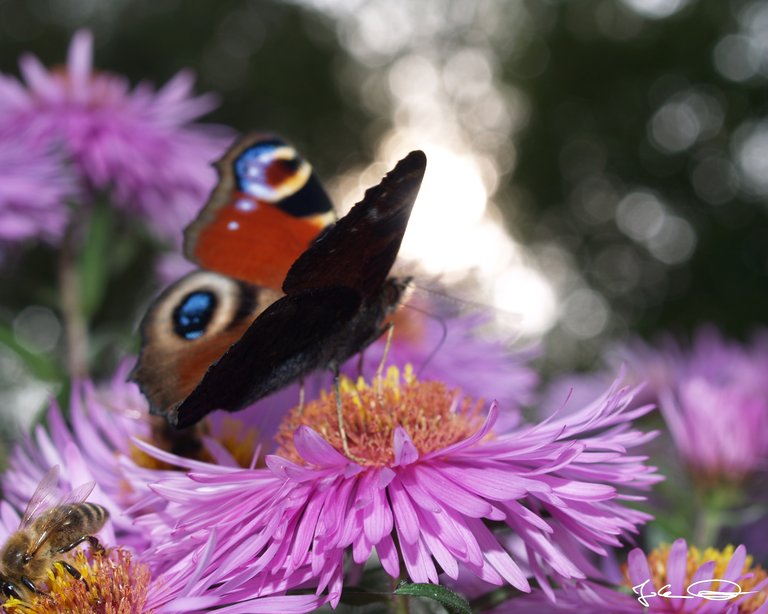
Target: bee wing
point(77, 495)
point(43, 497)
point(59, 512)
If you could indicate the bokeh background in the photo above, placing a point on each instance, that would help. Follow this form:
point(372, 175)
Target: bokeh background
point(596, 168)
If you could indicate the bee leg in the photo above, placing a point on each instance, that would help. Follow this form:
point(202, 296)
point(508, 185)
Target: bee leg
point(31, 585)
point(74, 573)
point(95, 544)
point(10, 590)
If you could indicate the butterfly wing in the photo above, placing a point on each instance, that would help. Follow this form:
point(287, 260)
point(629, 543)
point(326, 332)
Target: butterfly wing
point(266, 209)
point(289, 339)
point(189, 326)
point(359, 250)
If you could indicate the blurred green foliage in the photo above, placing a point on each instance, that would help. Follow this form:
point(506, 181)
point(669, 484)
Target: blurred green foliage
point(590, 117)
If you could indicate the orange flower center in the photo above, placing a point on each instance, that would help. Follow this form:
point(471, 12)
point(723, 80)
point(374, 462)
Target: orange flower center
point(433, 415)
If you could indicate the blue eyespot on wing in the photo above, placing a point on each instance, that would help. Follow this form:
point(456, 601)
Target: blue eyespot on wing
point(193, 314)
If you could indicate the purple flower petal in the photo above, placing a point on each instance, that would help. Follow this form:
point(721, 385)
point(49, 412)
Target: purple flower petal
point(405, 452)
point(316, 450)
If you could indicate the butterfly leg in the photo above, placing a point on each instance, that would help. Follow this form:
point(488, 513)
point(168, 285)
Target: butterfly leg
point(339, 414)
point(300, 408)
point(390, 328)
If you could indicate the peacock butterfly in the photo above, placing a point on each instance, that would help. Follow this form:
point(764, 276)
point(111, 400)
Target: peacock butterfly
point(227, 336)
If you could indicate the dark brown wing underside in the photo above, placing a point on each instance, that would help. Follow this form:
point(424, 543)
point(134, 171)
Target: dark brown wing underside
point(358, 252)
point(293, 337)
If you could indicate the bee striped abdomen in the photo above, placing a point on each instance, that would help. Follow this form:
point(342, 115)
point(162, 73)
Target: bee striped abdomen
point(94, 515)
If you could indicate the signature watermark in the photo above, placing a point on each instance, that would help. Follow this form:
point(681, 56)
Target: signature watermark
point(693, 591)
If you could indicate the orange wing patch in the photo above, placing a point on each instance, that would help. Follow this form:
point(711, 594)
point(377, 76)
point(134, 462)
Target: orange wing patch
point(255, 241)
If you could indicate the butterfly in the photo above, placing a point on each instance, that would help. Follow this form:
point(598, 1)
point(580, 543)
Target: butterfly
point(230, 333)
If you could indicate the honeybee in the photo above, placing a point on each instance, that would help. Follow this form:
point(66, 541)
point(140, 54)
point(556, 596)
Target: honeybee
point(47, 530)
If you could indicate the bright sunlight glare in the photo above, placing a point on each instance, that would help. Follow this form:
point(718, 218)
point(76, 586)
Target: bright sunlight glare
point(451, 202)
point(452, 235)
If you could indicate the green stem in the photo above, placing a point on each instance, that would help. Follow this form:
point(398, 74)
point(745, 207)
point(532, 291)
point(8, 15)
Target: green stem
point(707, 526)
point(70, 295)
point(401, 602)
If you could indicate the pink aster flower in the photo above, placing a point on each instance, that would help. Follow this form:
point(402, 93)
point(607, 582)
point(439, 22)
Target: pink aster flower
point(713, 396)
point(424, 481)
point(669, 580)
point(34, 189)
point(717, 408)
point(137, 144)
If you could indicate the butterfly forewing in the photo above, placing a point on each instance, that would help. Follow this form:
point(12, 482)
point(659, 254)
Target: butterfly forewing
point(266, 209)
point(358, 252)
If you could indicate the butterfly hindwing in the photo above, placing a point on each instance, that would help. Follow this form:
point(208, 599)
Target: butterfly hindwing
point(189, 326)
point(289, 339)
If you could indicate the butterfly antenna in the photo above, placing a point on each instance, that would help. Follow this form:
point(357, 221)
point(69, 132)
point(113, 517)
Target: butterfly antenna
point(440, 343)
point(380, 370)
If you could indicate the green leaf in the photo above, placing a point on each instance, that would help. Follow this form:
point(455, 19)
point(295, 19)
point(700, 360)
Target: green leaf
point(95, 259)
point(453, 602)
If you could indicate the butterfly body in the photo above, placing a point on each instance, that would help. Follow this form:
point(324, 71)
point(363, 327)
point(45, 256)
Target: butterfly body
point(237, 340)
